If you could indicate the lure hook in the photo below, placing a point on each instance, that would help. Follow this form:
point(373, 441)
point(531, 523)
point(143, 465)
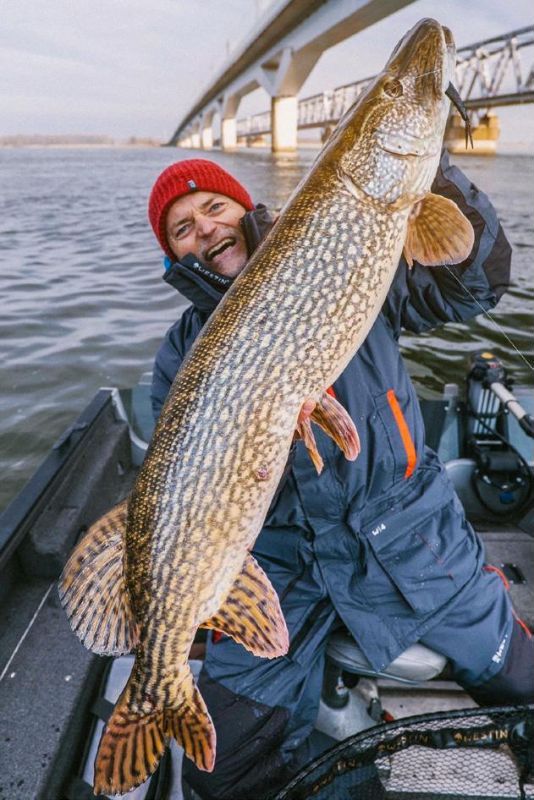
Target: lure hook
point(457, 102)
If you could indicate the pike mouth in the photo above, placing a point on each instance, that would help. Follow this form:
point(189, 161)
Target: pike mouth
point(219, 248)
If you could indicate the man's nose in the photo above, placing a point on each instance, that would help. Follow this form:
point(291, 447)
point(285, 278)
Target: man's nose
point(204, 225)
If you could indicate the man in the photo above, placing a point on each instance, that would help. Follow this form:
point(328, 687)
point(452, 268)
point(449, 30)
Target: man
point(379, 545)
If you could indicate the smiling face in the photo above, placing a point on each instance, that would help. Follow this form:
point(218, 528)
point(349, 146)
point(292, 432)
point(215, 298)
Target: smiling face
point(206, 224)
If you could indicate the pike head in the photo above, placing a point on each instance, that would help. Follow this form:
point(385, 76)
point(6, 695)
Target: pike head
point(392, 136)
point(387, 148)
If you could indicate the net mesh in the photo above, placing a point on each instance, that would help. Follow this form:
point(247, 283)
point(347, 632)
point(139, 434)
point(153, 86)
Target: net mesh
point(484, 754)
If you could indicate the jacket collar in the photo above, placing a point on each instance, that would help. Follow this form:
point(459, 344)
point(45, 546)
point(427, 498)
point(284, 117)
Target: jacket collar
point(196, 283)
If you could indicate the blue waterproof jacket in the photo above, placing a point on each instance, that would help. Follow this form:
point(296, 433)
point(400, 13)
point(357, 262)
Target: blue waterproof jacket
point(390, 517)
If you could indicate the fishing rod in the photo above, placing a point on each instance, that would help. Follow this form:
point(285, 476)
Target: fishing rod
point(502, 478)
point(491, 373)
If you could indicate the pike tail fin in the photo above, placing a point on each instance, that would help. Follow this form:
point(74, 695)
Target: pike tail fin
point(93, 591)
point(189, 722)
point(130, 749)
point(136, 735)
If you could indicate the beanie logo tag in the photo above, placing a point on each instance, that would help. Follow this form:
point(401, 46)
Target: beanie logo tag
point(191, 184)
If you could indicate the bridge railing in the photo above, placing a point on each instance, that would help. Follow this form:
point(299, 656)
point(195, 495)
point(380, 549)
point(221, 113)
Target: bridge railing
point(329, 106)
point(483, 68)
point(488, 73)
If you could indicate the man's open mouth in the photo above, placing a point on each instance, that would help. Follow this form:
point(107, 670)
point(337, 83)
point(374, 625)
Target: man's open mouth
point(219, 248)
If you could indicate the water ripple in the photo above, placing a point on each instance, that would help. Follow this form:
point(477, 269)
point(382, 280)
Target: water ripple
point(85, 306)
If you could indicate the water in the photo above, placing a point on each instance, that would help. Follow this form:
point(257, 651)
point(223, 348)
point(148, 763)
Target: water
point(84, 306)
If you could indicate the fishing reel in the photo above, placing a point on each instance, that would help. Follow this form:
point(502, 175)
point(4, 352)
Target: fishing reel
point(502, 478)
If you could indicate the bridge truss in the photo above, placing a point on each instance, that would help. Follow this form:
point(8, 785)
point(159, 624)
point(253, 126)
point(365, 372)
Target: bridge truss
point(488, 74)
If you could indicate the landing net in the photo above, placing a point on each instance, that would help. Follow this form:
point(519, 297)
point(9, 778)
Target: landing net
point(484, 754)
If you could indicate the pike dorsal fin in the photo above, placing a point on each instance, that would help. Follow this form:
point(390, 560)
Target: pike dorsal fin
point(92, 588)
point(251, 614)
point(438, 233)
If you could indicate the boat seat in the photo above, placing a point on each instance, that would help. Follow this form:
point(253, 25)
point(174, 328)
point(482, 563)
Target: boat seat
point(416, 664)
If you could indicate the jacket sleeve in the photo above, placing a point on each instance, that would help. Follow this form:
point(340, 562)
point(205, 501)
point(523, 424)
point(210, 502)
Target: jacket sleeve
point(422, 298)
point(167, 363)
point(170, 355)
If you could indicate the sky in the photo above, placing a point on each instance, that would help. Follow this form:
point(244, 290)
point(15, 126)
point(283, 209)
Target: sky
point(135, 67)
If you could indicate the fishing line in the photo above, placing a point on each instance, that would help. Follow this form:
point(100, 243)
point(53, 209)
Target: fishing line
point(26, 632)
point(494, 321)
point(430, 72)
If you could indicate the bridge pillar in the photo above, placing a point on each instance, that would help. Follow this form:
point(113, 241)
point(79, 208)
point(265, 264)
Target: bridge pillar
point(282, 78)
point(207, 138)
point(284, 112)
point(195, 139)
point(229, 133)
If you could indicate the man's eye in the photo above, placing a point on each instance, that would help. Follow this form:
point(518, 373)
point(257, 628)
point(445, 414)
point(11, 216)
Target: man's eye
point(215, 207)
point(181, 231)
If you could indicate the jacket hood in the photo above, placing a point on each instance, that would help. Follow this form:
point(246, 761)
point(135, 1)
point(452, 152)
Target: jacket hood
point(200, 285)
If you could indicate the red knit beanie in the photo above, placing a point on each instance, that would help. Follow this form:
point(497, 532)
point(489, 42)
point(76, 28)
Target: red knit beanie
point(195, 174)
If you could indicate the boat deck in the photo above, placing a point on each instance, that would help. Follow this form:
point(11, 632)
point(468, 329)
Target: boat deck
point(48, 680)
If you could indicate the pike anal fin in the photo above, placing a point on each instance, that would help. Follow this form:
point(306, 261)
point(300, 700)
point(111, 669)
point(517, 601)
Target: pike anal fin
point(438, 233)
point(251, 614)
point(93, 591)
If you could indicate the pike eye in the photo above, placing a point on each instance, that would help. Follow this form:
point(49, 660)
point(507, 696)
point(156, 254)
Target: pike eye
point(393, 88)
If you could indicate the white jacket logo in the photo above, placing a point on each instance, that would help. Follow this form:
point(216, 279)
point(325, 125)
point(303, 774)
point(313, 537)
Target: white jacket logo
point(378, 529)
point(498, 655)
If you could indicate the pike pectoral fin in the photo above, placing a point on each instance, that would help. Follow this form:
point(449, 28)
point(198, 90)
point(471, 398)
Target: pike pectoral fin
point(92, 588)
point(251, 614)
point(438, 233)
point(133, 743)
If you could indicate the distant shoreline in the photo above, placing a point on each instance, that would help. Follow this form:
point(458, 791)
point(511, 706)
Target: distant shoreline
point(81, 146)
point(505, 149)
point(37, 140)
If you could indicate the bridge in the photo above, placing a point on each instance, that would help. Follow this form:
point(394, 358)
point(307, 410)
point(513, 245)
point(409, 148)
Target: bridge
point(289, 43)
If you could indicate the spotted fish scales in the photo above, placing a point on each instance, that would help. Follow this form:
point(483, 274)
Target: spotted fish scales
point(176, 555)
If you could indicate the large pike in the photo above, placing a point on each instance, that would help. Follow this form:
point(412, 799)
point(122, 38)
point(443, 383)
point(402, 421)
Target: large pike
point(176, 556)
